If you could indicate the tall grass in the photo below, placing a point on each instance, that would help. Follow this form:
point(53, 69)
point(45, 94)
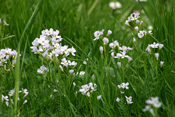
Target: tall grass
point(77, 20)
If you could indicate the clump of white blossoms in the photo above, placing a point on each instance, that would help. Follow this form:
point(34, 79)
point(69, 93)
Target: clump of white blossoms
point(88, 89)
point(9, 98)
point(152, 104)
point(133, 17)
point(42, 69)
point(123, 85)
point(129, 99)
point(140, 33)
point(154, 46)
point(115, 5)
point(8, 55)
point(122, 53)
point(49, 45)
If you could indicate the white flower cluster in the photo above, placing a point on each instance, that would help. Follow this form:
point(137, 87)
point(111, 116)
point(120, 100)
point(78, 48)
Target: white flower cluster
point(42, 69)
point(133, 17)
point(125, 86)
point(98, 34)
point(48, 45)
point(7, 55)
point(140, 33)
point(123, 51)
point(87, 89)
point(153, 102)
point(115, 5)
point(11, 93)
point(155, 45)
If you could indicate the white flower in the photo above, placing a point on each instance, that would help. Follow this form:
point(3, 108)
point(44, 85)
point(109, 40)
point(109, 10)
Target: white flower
point(124, 85)
point(74, 83)
point(71, 71)
point(101, 49)
point(109, 32)
point(11, 92)
point(25, 91)
point(115, 5)
point(87, 89)
point(105, 40)
point(154, 101)
point(161, 63)
point(25, 101)
point(42, 69)
point(134, 40)
point(129, 100)
point(97, 34)
point(99, 97)
point(82, 73)
point(150, 27)
point(119, 64)
point(84, 62)
point(136, 28)
point(157, 56)
point(118, 99)
point(141, 34)
point(160, 46)
point(54, 90)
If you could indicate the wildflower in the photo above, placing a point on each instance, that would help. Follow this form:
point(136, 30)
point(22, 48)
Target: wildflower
point(141, 34)
point(136, 28)
point(8, 55)
point(25, 101)
point(124, 85)
point(118, 99)
point(153, 102)
point(84, 62)
point(150, 27)
point(105, 40)
point(82, 73)
point(161, 63)
point(160, 46)
point(134, 40)
point(87, 89)
point(55, 90)
point(99, 97)
point(42, 69)
point(115, 5)
point(5, 23)
point(74, 83)
point(25, 91)
point(101, 49)
point(119, 64)
point(97, 34)
point(129, 100)
point(61, 67)
point(11, 92)
point(109, 32)
point(157, 56)
point(71, 71)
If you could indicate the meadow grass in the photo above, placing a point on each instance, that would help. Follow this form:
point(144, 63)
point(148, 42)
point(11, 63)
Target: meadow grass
point(53, 93)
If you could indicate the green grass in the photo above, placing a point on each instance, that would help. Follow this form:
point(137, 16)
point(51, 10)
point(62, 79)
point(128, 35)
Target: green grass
point(77, 20)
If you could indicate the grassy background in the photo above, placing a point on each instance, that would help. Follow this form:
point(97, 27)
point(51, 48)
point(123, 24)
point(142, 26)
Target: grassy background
point(27, 18)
